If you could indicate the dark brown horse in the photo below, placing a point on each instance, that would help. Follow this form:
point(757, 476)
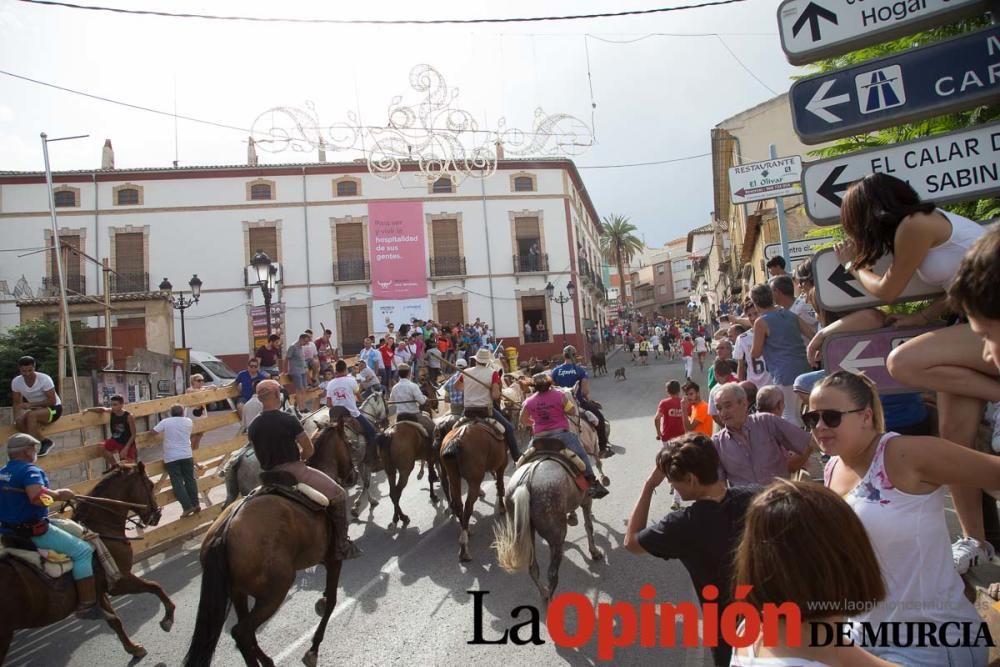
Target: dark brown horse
point(479, 450)
point(29, 601)
point(254, 549)
point(400, 449)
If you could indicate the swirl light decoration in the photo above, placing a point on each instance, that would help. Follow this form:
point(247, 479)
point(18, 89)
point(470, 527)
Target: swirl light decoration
point(432, 132)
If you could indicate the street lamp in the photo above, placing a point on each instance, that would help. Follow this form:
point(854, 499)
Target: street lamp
point(266, 275)
point(562, 300)
point(182, 304)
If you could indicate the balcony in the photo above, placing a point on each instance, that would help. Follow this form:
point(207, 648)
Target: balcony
point(531, 263)
point(126, 283)
point(447, 266)
point(351, 270)
point(76, 284)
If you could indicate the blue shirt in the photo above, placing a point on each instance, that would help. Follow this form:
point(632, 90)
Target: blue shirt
point(568, 375)
point(245, 380)
point(455, 396)
point(370, 357)
point(14, 504)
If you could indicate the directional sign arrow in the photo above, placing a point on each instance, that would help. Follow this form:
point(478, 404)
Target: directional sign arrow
point(813, 13)
point(819, 103)
point(852, 362)
point(830, 189)
point(842, 279)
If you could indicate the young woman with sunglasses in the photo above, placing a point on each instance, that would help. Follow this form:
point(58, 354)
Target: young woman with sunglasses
point(895, 484)
point(883, 214)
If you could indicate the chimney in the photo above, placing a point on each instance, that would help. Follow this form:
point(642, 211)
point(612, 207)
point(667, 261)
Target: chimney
point(251, 153)
point(499, 145)
point(322, 150)
point(107, 155)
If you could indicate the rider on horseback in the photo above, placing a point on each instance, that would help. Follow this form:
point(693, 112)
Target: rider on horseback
point(343, 392)
point(545, 411)
point(24, 500)
point(481, 392)
point(570, 373)
point(277, 438)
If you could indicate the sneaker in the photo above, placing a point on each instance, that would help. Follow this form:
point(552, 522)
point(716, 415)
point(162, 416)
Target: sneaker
point(607, 453)
point(968, 552)
point(46, 445)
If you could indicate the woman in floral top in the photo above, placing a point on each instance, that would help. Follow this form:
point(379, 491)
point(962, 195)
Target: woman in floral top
point(895, 484)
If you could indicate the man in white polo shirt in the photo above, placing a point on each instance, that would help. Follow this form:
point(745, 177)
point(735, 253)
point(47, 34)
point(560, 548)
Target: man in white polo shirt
point(35, 402)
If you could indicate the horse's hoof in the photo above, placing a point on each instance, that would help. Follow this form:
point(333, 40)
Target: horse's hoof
point(355, 513)
point(597, 554)
point(310, 659)
point(464, 558)
point(320, 610)
point(137, 651)
point(605, 480)
point(167, 624)
point(434, 498)
point(571, 519)
point(406, 521)
point(374, 503)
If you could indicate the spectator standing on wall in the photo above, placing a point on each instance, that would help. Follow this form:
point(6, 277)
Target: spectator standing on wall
point(777, 337)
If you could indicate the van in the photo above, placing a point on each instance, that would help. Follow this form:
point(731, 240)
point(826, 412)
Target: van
point(216, 373)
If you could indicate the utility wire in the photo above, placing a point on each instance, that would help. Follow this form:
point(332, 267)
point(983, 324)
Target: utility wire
point(747, 69)
point(280, 19)
point(644, 164)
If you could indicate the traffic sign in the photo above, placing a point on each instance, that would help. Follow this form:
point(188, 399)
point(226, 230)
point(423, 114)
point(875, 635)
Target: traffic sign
point(945, 168)
point(767, 179)
point(837, 290)
point(815, 29)
point(796, 249)
point(867, 352)
point(953, 75)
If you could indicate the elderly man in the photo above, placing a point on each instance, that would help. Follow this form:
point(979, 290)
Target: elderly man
point(752, 447)
point(771, 400)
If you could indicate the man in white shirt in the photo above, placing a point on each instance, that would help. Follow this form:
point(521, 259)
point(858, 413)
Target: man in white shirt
point(35, 402)
point(366, 378)
point(178, 458)
point(311, 356)
point(406, 396)
point(343, 392)
point(748, 368)
point(480, 385)
point(700, 349)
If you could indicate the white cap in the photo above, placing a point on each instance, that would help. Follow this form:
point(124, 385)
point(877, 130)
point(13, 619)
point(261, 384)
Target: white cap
point(461, 363)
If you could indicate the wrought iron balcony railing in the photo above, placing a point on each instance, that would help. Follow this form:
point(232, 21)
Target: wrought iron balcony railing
point(531, 263)
point(350, 269)
point(447, 266)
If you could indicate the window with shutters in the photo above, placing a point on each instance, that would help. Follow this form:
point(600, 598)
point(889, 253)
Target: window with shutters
point(347, 187)
point(354, 327)
point(443, 185)
point(534, 319)
point(528, 245)
point(66, 196)
point(127, 194)
point(266, 239)
point(72, 264)
point(522, 183)
point(260, 190)
point(450, 311)
point(446, 249)
point(349, 248)
point(130, 264)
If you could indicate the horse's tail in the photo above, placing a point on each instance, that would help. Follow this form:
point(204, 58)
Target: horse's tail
point(514, 540)
point(213, 608)
point(383, 440)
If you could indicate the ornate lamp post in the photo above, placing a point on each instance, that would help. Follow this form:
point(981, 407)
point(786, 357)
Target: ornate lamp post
point(562, 300)
point(266, 272)
point(180, 303)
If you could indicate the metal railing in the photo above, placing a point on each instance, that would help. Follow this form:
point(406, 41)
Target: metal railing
point(531, 263)
point(447, 266)
point(124, 283)
point(350, 269)
point(74, 283)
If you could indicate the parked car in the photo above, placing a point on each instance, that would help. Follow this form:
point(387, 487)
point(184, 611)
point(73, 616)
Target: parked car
point(216, 373)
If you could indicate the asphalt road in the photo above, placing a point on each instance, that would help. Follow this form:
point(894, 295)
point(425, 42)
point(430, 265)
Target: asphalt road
point(405, 602)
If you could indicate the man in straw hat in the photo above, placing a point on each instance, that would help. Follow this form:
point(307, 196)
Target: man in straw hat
point(480, 385)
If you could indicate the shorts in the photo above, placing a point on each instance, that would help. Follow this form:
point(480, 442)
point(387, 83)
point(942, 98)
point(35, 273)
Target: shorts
point(55, 412)
point(112, 445)
point(643, 353)
point(299, 380)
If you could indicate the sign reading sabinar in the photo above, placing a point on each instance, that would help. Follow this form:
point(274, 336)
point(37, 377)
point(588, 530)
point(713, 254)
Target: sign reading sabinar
point(767, 179)
point(952, 167)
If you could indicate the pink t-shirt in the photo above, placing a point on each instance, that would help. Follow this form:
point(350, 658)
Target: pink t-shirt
point(546, 410)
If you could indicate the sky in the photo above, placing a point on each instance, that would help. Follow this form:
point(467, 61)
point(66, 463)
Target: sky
point(654, 88)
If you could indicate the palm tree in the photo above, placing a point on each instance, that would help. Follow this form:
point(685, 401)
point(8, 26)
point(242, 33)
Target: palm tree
point(619, 244)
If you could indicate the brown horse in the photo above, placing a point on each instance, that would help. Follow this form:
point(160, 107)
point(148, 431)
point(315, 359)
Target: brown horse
point(479, 450)
point(400, 449)
point(29, 601)
point(256, 553)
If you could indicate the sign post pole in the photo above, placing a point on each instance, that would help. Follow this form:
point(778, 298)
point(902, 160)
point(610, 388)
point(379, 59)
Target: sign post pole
point(779, 203)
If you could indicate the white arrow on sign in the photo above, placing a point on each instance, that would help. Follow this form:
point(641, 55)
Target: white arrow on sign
point(851, 361)
point(819, 103)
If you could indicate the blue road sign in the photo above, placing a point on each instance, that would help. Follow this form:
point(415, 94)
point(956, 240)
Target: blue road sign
point(953, 75)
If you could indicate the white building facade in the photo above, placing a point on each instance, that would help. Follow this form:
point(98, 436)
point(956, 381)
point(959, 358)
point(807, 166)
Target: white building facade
point(489, 246)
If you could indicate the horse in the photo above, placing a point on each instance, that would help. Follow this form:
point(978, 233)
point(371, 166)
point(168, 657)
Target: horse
point(587, 433)
point(478, 450)
point(29, 601)
point(546, 495)
point(401, 447)
point(256, 553)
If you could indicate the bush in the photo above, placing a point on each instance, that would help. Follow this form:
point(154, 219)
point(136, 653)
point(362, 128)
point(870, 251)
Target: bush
point(40, 339)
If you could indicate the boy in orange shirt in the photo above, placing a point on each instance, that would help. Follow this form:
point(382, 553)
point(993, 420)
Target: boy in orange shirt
point(694, 411)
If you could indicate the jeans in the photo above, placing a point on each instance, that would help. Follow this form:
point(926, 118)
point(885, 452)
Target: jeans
point(386, 377)
point(182, 480)
point(572, 442)
point(80, 551)
point(602, 429)
point(369, 430)
point(508, 434)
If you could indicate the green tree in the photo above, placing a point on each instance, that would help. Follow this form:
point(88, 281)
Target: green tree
point(983, 209)
point(619, 244)
point(39, 339)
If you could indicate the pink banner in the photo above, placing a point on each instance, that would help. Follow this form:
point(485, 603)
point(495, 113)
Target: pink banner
point(396, 240)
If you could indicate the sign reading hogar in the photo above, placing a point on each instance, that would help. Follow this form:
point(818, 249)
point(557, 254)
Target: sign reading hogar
point(396, 249)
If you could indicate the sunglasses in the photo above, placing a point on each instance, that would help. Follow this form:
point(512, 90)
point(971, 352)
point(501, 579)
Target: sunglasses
point(831, 418)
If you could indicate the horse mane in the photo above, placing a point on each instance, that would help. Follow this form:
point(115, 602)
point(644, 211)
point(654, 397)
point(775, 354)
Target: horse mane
point(107, 479)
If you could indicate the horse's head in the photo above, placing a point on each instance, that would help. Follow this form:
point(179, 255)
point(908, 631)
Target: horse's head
point(130, 483)
point(375, 407)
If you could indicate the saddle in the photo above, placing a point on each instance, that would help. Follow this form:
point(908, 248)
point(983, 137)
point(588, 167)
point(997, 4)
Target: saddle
point(488, 426)
point(281, 483)
point(412, 420)
point(53, 564)
point(542, 448)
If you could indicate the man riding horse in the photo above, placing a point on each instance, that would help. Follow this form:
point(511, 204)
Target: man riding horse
point(545, 411)
point(480, 387)
point(343, 392)
point(277, 439)
point(24, 499)
point(408, 398)
point(568, 374)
